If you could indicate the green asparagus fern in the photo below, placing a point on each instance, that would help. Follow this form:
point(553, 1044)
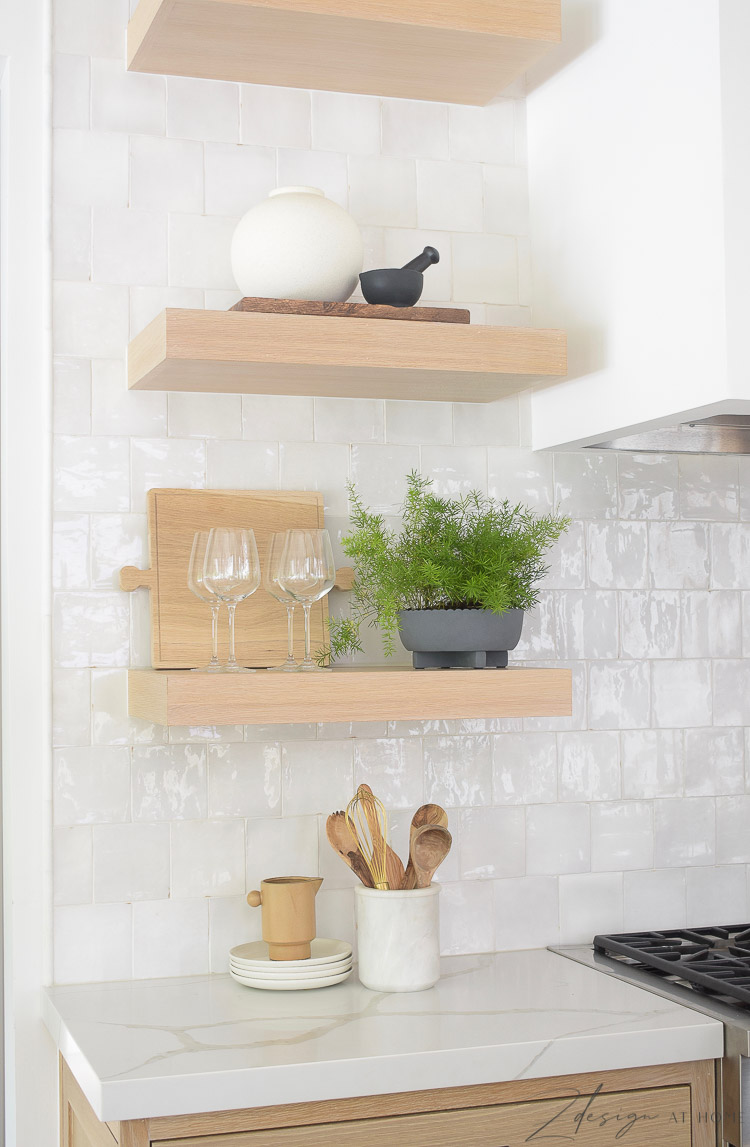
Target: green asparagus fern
point(470, 552)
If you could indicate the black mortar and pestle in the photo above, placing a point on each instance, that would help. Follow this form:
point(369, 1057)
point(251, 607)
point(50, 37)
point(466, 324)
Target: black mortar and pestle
point(398, 286)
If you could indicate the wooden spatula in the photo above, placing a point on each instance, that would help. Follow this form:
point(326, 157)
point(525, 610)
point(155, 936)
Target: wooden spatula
point(342, 841)
point(393, 866)
point(430, 846)
point(425, 815)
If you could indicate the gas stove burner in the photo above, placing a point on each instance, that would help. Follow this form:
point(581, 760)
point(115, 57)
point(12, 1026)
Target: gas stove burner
point(712, 961)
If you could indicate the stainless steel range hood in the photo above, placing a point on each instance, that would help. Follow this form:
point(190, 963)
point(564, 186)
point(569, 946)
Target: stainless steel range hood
point(721, 434)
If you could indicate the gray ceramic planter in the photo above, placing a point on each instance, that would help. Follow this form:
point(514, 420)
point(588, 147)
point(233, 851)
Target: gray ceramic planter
point(460, 638)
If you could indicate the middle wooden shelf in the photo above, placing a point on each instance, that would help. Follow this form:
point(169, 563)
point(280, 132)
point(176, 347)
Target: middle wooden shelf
point(373, 693)
point(257, 353)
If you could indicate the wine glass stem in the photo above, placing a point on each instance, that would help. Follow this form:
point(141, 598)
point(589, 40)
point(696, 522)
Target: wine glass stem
point(215, 635)
point(306, 607)
point(232, 662)
point(290, 633)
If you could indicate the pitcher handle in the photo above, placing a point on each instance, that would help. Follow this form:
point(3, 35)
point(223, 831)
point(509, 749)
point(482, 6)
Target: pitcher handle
point(254, 899)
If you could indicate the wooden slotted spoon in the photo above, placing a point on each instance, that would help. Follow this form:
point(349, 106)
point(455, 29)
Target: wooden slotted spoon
point(430, 846)
point(425, 815)
point(342, 841)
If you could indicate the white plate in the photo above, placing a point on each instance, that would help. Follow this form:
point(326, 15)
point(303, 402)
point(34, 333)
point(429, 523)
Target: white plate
point(272, 985)
point(322, 952)
point(291, 973)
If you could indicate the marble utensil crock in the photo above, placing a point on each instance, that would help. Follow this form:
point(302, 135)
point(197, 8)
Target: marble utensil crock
point(297, 245)
point(398, 938)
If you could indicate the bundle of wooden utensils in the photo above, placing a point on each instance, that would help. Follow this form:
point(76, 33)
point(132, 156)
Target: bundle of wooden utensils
point(360, 837)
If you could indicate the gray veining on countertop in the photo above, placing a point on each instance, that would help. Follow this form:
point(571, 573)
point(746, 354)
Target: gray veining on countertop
point(176, 1046)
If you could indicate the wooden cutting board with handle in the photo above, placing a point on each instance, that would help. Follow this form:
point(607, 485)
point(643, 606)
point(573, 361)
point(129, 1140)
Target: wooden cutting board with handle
point(180, 622)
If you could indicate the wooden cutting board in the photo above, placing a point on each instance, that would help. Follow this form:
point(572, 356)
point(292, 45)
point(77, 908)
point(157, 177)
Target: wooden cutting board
point(180, 622)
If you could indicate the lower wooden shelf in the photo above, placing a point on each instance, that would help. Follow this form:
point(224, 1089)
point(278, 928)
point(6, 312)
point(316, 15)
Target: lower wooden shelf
point(179, 697)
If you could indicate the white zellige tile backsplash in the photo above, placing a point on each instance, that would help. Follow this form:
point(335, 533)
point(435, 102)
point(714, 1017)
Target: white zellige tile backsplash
point(632, 813)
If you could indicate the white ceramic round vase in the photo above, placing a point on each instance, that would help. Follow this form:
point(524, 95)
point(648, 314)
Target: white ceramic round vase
point(398, 938)
point(297, 245)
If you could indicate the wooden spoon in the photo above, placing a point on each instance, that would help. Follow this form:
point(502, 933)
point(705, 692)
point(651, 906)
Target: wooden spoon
point(430, 846)
point(426, 814)
point(394, 869)
point(342, 841)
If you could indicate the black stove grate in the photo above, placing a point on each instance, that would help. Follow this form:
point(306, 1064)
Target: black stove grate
point(715, 961)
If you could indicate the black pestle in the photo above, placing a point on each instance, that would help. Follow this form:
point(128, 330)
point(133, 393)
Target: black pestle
point(421, 262)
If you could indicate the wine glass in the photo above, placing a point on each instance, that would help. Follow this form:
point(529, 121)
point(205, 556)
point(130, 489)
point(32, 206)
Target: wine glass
point(231, 570)
point(272, 587)
point(307, 572)
point(196, 585)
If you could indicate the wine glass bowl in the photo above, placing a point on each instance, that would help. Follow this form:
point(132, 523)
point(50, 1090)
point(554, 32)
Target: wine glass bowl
point(272, 587)
point(197, 586)
point(307, 572)
point(231, 570)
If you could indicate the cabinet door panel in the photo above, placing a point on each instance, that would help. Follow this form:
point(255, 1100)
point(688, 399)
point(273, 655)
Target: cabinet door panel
point(650, 1118)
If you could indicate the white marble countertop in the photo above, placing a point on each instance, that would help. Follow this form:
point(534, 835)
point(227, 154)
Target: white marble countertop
point(205, 1043)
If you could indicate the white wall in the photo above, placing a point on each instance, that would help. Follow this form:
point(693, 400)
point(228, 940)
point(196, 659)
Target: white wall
point(627, 814)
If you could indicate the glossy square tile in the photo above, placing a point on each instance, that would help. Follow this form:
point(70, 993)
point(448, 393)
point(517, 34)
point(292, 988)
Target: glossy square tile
point(317, 776)
point(732, 837)
point(617, 553)
point(619, 695)
point(493, 843)
point(131, 862)
point(275, 117)
point(586, 484)
point(589, 766)
point(458, 771)
point(590, 902)
point(202, 109)
point(345, 123)
point(685, 832)
point(237, 178)
point(92, 942)
point(91, 785)
point(486, 135)
point(526, 913)
point(449, 195)
point(392, 767)
point(524, 768)
point(681, 694)
point(244, 780)
point(648, 485)
point(558, 839)
point(90, 629)
point(170, 938)
point(622, 836)
point(128, 102)
point(709, 487)
point(714, 762)
point(230, 922)
point(166, 174)
point(117, 410)
point(655, 899)
point(71, 707)
point(169, 782)
point(281, 846)
point(678, 555)
point(70, 551)
point(715, 894)
point(208, 858)
point(650, 623)
point(652, 763)
point(414, 128)
point(711, 624)
point(466, 918)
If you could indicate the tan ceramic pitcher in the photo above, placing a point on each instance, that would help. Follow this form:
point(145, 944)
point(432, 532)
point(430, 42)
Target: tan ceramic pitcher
point(288, 907)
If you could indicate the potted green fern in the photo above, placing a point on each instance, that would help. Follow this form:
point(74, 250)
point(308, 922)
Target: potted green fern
point(453, 584)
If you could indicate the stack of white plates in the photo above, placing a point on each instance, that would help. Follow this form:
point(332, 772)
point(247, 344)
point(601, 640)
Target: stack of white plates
point(330, 963)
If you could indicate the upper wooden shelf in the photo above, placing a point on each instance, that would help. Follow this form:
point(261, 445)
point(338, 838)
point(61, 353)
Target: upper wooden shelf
point(455, 51)
point(179, 697)
point(253, 353)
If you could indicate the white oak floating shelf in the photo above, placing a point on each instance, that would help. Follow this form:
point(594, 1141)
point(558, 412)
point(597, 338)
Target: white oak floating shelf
point(242, 352)
point(455, 51)
point(178, 697)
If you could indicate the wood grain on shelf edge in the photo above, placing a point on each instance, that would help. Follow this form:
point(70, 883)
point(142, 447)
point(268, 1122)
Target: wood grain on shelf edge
point(456, 53)
point(367, 694)
point(250, 352)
